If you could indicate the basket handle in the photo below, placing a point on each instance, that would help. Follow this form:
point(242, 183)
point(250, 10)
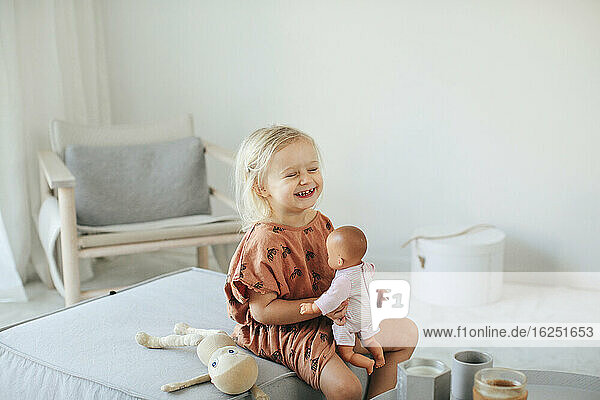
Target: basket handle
point(479, 227)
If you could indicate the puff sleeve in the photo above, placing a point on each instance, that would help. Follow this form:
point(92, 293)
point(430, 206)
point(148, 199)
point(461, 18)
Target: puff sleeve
point(370, 270)
point(257, 268)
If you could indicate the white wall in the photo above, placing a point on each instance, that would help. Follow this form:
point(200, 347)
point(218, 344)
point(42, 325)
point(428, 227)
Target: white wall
point(426, 112)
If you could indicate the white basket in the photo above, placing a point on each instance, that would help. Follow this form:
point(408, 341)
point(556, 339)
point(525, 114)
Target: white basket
point(462, 270)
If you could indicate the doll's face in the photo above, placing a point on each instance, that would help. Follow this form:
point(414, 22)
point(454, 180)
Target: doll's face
point(231, 370)
point(223, 359)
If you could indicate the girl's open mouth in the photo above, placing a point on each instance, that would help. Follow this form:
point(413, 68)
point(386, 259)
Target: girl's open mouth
point(305, 194)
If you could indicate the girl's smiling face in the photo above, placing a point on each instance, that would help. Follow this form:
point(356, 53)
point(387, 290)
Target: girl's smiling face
point(293, 182)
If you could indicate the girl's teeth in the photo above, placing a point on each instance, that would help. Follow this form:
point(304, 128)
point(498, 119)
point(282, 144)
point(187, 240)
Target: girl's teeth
point(306, 193)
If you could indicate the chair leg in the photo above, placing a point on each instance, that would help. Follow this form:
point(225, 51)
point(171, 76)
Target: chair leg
point(202, 253)
point(69, 246)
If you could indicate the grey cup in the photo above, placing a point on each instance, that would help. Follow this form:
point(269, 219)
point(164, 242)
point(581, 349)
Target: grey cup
point(429, 386)
point(464, 366)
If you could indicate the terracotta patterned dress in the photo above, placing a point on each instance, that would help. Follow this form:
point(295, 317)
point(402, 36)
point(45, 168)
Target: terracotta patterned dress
point(292, 262)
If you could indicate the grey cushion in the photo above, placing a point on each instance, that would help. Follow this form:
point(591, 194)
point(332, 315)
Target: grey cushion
point(63, 133)
point(89, 351)
point(138, 183)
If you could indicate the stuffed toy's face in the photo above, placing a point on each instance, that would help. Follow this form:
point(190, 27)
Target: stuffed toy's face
point(224, 358)
point(231, 370)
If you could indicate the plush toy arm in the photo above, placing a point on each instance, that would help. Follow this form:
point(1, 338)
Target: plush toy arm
point(171, 387)
point(154, 342)
point(258, 393)
point(184, 329)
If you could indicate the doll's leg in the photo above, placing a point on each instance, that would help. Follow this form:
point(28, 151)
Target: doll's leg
point(347, 354)
point(184, 329)
point(155, 342)
point(374, 348)
point(344, 339)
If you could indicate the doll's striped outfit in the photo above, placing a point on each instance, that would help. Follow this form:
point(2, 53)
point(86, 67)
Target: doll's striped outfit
point(350, 283)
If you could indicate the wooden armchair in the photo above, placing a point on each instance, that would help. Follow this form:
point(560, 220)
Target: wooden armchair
point(57, 180)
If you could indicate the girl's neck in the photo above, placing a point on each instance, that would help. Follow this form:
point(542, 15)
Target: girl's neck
point(294, 220)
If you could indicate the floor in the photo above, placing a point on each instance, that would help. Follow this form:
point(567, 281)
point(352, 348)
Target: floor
point(518, 300)
point(108, 272)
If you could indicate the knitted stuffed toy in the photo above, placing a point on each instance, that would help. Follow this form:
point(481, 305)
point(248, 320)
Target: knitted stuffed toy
point(229, 369)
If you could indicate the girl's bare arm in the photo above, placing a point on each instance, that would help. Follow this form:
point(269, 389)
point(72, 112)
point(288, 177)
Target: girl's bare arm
point(269, 310)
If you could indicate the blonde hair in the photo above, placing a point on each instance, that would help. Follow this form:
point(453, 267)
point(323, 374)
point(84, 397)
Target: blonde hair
point(251, 162)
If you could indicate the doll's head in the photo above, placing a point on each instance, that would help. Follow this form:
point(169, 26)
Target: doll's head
point(277, 171)
point(346, 247)
point(231, 370)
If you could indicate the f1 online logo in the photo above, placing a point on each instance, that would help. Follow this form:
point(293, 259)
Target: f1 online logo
point(389, 298)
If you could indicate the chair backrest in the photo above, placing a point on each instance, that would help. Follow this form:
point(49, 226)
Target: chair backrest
point(63, 134)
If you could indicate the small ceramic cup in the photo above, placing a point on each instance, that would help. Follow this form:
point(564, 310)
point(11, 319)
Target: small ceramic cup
point(423, 379)
point(464, 366)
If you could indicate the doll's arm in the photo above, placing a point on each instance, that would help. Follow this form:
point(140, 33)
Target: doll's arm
point(269, 310)
point(334, 296)
point(171, 387)
point(309, 308)
point(258, 393)
point(338, 315)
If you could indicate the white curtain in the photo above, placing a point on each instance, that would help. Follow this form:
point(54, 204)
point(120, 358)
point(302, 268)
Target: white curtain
point(11, 288)
point(52, 65)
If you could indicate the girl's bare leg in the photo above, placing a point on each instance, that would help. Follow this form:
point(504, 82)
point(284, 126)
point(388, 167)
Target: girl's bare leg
point(337, 382)
point(384, 378)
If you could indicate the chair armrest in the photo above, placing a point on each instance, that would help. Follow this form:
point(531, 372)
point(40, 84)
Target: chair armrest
point(219, 153)
point(54, 170)
point(217, 194)
point(227, 157)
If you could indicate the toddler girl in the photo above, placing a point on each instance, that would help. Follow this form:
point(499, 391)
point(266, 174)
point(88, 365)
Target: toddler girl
point(282, 260)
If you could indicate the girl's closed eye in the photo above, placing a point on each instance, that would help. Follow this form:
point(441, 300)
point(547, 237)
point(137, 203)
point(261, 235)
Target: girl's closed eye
point(291, 175)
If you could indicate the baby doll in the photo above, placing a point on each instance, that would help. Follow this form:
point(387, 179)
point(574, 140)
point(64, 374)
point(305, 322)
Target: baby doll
point(229, 369)
point(345, 248)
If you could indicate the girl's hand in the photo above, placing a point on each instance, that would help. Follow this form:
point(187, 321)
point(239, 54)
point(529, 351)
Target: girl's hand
point(339, 314)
